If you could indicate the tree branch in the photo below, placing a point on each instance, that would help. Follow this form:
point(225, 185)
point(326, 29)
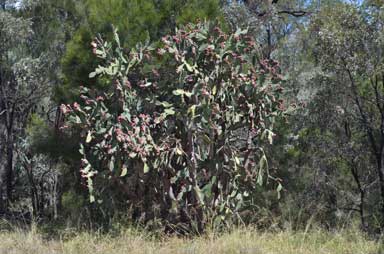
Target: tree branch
point(297, 14)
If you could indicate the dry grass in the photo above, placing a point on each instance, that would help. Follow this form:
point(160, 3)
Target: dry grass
point(239, 242)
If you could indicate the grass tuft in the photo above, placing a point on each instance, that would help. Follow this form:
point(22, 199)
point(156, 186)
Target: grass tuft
point(241, 241)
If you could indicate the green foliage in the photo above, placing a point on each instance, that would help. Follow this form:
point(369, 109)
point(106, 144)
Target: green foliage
point(73, 204)
point(37, 127)
point(137, 20)
point(181, 126)
point(346, 41)
point(347, 46)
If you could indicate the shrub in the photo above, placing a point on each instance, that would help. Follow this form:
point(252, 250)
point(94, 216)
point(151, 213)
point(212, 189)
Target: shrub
point(179, 133)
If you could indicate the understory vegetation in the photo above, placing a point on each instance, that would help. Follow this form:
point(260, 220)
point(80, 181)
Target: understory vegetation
point(211, 125)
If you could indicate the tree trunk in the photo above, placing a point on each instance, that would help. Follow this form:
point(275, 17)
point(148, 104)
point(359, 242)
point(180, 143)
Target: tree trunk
point(9, 170)
point(380, 171)
point(3, 166)
point(33, 189)
point(2, 183)
point(6, 164)
point(377, 145)
point(362, 196)
point(197, 213)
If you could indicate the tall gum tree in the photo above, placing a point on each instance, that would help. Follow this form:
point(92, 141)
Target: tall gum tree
point(348, 47)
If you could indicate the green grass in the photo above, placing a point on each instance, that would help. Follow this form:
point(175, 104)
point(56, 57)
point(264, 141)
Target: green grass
point(240, 241)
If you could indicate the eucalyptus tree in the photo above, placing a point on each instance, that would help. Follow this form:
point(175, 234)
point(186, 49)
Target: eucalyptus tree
point(21, 87)
point(28, 71)
point(348, 48)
